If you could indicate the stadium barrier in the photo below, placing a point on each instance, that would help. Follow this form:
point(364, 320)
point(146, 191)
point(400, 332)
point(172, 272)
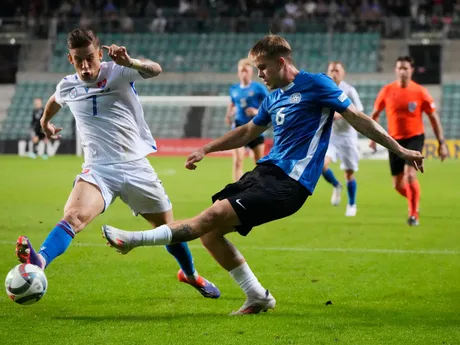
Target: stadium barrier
point(182, 147)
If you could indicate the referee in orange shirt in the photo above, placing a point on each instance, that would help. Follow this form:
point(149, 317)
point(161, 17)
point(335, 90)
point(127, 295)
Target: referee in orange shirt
point(405, 101)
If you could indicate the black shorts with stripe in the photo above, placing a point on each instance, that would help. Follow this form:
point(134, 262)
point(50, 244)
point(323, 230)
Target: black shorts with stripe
point(263, 195)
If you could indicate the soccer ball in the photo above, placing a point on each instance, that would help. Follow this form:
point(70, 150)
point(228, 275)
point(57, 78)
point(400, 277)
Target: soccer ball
point(26, 284)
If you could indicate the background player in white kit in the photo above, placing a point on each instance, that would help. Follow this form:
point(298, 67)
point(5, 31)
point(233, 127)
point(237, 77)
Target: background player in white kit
point(115, 140)
point(343, 144)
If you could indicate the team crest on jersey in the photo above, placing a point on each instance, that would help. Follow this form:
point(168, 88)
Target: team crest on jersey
point(295, 98)
point(102, 84)
point(251, 93)
point(73, 93)
point(412, 106)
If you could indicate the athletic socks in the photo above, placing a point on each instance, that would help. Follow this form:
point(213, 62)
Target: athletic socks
point(57, 241)
point(247, 280)
point(329, 177)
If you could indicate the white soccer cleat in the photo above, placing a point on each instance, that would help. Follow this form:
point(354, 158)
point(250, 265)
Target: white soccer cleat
point(118, 239)
point(336, 195)
point(255, 305)
point(351, 210)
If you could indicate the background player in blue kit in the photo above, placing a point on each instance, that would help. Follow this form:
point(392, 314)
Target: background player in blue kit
point(246, 97)
point(301, 111)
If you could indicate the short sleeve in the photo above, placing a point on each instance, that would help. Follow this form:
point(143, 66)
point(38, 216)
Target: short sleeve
point(58, 95)
point(379, 103)
point(354, 97)
point(130, 74)
point(330, 95)
point(428, 105)
point(263, 116)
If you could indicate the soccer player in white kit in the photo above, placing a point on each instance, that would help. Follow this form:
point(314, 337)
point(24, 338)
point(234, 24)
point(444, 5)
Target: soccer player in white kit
point(115, 140)
point(343, 144)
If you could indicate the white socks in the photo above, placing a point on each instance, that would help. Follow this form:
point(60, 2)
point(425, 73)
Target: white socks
point(247, 280)
point(161, 235)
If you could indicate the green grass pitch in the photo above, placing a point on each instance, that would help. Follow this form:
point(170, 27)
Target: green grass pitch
point(389, 283)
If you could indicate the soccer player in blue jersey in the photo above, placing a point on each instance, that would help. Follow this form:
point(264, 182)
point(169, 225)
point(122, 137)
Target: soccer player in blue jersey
point(246, 97)
point(301, 111)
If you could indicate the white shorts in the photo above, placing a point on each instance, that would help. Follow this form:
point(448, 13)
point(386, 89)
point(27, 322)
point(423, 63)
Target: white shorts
point(345, 149)
point(136, 183)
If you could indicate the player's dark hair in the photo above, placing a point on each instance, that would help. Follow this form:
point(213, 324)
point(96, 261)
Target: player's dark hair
point(271, 47)
point(81, 38)
point(406, 58)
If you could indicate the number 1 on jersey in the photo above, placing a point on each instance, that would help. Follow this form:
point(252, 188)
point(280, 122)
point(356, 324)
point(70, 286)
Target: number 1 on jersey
point(94, 104)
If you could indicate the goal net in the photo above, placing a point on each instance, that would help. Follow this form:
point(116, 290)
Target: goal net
point(183, 117)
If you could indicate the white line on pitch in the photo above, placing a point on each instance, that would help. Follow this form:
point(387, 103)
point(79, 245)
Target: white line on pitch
point(306, 249)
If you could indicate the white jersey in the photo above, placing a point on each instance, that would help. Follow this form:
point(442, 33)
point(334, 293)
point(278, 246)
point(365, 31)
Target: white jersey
point(108, 115)
point(341, 127)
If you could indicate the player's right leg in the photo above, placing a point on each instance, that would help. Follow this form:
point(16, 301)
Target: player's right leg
point(224, 252)
point(84, 204)
point(331, 156)
point(413, 194)
point(238, 160)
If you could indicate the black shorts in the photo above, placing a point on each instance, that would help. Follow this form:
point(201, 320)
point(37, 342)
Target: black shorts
point(256, 142)
point(263, 195)
point(413, 143)
point(38, 132)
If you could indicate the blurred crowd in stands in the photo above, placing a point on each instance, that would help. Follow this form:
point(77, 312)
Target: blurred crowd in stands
point(390, 16)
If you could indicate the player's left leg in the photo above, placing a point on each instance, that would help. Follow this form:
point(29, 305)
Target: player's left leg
point(145, 195)
point(181, 252)
point(224, 252)
point(413, 194)
point(349, 162)
point(331, 156)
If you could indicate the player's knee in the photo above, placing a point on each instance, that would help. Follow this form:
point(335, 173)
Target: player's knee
point(213, 216)
point(76, 218)
point(411, 176)
point(349, 175)
point(238, 163)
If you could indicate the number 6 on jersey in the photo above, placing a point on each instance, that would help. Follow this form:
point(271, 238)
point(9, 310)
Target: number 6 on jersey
point(280, 117)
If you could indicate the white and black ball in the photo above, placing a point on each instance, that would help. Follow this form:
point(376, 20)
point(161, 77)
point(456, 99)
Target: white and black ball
point(26, 284)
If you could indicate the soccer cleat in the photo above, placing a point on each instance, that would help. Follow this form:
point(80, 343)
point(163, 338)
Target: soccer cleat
point(336, 195)
point(26, 253)
point(204, 286)
point(117, 239)
point(255, 305)
point(351, 210)
point(413, 221)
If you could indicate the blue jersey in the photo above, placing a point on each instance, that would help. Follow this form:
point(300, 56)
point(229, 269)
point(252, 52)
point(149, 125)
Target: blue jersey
point(301, 115)
point(243, 97)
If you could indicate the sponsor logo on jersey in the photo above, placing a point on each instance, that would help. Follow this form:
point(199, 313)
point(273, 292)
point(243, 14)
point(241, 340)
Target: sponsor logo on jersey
point(73, 93)
point(295, 98)
point(251, 93)
point(412, 106)
point(342, 97)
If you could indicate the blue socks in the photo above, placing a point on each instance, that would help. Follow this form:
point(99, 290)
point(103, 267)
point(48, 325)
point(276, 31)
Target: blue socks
point(351, 188)
point(329, 176)
point(183, 256)
point(57, 241)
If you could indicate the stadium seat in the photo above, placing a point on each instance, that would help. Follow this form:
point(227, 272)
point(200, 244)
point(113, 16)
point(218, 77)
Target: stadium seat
point(219, 52)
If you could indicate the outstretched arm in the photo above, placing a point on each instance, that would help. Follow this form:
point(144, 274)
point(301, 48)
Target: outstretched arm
point(371, 129)
point(51, 109)
point(146, 68)
point(437, 129)
point(231, 140)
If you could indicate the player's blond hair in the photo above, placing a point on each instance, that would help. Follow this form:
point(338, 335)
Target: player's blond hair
point(271, 47)
point(245, 62)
